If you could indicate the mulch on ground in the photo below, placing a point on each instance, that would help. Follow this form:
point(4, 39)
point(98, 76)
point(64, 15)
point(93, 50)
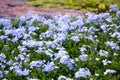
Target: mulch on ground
point(10, 9)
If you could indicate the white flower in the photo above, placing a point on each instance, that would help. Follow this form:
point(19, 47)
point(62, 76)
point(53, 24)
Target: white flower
point(109, 71)
point(97, 59)
point(61, 77)
point(82, 49)
point(115, 54)
point(64, 77)
point(83, 57)
point(33, 79)
point(96, 74)
point(103, 53)
point(83, 72)
point(69, 79)
point(105, 62)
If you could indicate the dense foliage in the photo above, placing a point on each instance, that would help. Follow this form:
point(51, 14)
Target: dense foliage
point(63, 48)
point(90, 5)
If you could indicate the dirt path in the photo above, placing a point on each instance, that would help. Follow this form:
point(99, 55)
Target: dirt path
point(10, 8)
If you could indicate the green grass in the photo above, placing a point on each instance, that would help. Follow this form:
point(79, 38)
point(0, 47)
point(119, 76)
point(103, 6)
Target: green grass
point(90, 5)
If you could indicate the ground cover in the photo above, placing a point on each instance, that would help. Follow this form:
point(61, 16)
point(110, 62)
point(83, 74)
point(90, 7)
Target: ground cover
point(63, 47)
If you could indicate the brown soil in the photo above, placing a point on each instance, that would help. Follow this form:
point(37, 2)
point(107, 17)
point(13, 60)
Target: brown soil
point(10, 9)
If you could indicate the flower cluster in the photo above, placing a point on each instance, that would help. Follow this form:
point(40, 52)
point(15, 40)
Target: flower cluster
point(64, 47)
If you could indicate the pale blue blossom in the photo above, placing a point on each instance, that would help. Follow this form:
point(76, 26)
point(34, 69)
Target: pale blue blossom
point(118, 13)
point(20, 72)
point(103, 53)
point(6, 23)
point(2, 57)
point(4, 79)
point(40, 50)
point(116, 35)
point(21, 57)
point(90, 38)
point(83, 29)
point(83, 57)
point(75, 38)
point(60, 37)
point(15, 39)
point(30, 43)
point(2, 37)
point(114, 8)
point(109, 71)
point(83, 72)
point(6, 72)
point(76, 24)
point(22, 48)
point(10, 62)
point(32, 28)
point(60, 54)
point(69, 62)
point(48, 67)
point(92, 30)
point(112, 45)
point(1, 74)
point(46, 34)
point(49, 53)
point(103, 27)
point(36, 64)
point(50, 44)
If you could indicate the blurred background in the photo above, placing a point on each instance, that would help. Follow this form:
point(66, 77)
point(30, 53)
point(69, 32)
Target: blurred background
point(90, 5)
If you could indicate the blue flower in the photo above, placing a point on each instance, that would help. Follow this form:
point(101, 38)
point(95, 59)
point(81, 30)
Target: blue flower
point(48, 67)
point(114, 8)
point(83, 72)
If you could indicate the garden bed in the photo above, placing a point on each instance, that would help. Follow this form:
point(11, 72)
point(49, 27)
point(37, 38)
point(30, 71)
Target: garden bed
point(87, 47)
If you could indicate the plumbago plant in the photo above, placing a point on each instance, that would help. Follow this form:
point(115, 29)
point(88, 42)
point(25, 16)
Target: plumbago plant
point(62, 48)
